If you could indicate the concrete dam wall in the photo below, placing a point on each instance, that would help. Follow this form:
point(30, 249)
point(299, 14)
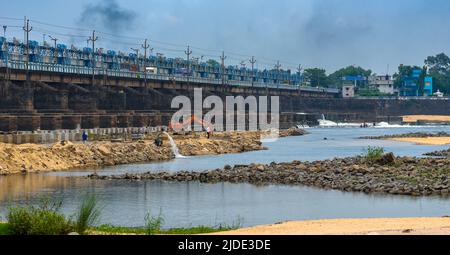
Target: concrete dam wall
point(42, 106)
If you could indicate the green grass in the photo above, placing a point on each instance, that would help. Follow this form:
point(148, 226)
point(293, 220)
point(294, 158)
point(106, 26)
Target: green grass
point(88, 214)
point(4, 229)
point(373, 154)
point(114, 230)
point(153, 223)
point(44, 219)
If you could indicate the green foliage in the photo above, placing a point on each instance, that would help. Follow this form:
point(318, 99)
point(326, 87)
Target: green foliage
point(197, 230)
point(43, 220)
point(373, 154)
point(4, 229)
point(109, 229)
point(439, 69)
point(113, 230)
point(153, 223)
point(336, 77)
point(403, 71)
point(88, 214)
point(371, 93)
point(317, 77)
point(213, 63)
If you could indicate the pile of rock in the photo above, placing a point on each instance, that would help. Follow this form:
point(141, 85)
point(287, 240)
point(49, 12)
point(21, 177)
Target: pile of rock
point(398, 176)
point(408, 135)
point(294, 131)
point(220, 143)
point(444, 153)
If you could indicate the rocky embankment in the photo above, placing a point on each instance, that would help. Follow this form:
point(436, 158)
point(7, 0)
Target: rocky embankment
point(408, 135)
point(196, 144)
point(389, 174)
point(444, 153)
point(293, 132)
point(28, 158)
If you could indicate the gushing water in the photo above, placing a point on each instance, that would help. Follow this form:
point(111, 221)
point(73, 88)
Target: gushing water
point(174, 147)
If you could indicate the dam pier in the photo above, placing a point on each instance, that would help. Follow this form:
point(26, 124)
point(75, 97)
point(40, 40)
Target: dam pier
point(66, 89)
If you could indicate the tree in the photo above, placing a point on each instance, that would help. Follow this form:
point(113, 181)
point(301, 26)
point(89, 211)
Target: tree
point(336, 77)
point(439, 69)
point(212, 62)
point(317, 77)
point(403, 71)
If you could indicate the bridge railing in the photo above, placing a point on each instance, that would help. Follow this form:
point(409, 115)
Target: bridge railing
point(403, 98)
point(70, 69)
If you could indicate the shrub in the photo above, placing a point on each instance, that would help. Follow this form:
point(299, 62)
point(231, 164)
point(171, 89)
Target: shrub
point(374, 153)
point(42, 220)
point(88, 214)
point(153, 223)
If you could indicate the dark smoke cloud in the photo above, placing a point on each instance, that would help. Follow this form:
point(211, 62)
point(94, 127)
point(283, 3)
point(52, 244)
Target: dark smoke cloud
point(107, 15)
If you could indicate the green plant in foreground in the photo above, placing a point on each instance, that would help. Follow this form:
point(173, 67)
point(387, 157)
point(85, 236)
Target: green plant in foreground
point(4, 229)
point(153, 223)
point(88, 214)
point(42, 220)
point(373, 154)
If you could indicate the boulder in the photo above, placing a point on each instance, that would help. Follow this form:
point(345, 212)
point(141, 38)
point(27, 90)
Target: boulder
point(387, 159)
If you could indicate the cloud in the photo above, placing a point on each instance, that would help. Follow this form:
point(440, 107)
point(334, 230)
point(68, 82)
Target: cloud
point(107, 15)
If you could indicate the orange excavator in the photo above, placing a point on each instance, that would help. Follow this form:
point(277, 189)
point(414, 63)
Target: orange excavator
point(189, 121)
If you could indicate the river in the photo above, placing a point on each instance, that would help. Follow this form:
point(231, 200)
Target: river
point(125, 203)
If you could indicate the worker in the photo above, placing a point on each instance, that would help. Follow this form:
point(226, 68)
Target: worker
point(84, 137)
point(158, 141)
point(208, 132)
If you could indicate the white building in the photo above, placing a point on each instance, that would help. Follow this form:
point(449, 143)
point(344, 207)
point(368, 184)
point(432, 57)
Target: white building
point(383, 83)
point(348, 91)
point(439, 94)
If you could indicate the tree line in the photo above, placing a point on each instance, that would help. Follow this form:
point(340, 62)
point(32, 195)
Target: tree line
point(437, 67)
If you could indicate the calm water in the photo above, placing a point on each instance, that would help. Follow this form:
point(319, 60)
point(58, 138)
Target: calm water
point(185, 204)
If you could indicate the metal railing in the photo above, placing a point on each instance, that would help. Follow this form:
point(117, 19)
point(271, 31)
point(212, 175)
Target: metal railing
point(403, 98)
point(71, 69)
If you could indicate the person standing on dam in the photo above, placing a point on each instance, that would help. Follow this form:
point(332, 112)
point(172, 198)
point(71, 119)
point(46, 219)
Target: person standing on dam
point(84, 137)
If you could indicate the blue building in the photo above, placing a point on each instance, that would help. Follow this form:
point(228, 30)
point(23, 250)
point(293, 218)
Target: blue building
point(411, 84)
point(428, 86)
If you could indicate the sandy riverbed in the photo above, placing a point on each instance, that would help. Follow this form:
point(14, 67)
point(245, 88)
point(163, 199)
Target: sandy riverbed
point(28, 158)
point(423, 140)
point(391, 226)
point(431, 118)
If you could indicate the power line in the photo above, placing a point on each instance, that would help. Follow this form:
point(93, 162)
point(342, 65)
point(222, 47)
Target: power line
point(59, 26)
point(10, 18)
point(111, 37)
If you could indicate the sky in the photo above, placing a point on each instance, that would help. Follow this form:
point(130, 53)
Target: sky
point(330, 34)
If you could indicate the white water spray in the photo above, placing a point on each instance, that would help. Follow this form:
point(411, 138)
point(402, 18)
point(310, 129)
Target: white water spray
point(174, 146)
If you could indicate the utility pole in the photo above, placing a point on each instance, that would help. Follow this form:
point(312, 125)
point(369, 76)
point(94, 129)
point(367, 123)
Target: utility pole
point(300, 69)
point(137, 56)
point(188, 53)
point(55, 40)
point(7, 53)
point(222, 58)
point(145, 46)
point(243, 67)
point(253, 62)
point(27, 29)
point(277, 67)
point(93, 39)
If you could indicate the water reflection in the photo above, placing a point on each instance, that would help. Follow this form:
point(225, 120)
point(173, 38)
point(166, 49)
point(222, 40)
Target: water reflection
point(184, 204)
